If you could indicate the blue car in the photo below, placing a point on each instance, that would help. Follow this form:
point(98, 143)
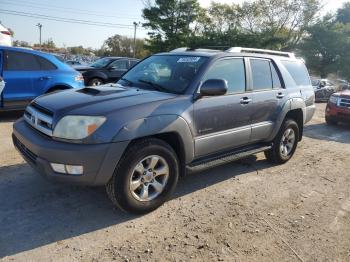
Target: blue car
point(28, 74)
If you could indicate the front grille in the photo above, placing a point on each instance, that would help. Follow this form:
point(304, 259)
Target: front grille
point(24, 150)
point(344, 102)
point(39, 118)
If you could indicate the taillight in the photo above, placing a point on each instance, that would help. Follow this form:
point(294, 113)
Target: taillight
point(6, 32)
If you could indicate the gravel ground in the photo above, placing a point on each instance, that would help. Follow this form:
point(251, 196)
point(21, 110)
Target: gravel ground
point(244, 211)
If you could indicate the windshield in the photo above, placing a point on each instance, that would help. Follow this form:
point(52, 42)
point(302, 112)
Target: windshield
point(169, 73)
point(101, 62)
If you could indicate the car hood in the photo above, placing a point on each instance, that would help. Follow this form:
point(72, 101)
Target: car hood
point(98, 100)
point(345, 94)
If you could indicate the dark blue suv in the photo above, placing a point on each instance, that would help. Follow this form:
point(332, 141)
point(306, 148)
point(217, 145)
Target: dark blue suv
point(28, 74)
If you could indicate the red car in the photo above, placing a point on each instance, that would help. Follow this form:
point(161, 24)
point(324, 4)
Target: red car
point(338, 108)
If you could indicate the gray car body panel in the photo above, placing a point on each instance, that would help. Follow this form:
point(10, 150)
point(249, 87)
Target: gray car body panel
point(204, 125)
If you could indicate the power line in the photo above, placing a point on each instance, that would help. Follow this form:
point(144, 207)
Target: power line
point(35, 4)
point(67, 20)
point(68, 10)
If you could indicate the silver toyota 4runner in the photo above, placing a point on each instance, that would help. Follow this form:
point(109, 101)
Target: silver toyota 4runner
point(172, 113)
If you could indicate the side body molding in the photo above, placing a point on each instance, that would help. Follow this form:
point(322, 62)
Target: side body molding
point(155, 125)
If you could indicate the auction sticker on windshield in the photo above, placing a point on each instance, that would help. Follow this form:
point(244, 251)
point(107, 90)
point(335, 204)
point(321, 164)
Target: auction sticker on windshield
point(191, 59)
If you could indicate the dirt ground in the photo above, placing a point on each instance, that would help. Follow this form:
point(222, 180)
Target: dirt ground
point(244, 211)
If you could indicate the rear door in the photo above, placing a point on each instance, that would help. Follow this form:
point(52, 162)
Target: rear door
point(43, 77)
point(268, 97)
point(19, 71)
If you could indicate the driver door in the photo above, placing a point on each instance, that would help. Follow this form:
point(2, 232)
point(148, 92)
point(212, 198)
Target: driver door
point(224, 122)
point(117, 68)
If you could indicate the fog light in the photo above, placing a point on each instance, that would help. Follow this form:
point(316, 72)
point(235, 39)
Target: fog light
point(67, 169)
point(58, 168)
point(74, 170)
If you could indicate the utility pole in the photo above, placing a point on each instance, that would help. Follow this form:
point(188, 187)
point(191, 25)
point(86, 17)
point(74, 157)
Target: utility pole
point(135, 26)
point(39, 26)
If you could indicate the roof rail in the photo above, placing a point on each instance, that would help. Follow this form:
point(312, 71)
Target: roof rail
point(184, 49)
point(260, 51)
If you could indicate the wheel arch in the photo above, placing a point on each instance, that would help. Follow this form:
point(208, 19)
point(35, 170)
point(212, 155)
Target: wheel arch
point(57, 87)
point(172, 129)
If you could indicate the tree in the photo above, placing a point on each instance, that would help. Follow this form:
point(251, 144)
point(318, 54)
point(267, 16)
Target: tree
point(170, 23)
point(343, 14)
point(118, 45)
point(325, 49)
point(21, 43)
point(274, 24)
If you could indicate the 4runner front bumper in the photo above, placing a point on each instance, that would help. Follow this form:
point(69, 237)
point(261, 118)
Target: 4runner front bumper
point(98, 160)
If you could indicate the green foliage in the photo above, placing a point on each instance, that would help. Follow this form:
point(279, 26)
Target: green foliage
point(118, 45)
point(326, 48)
point(169, 22)
point(79, 50)
point(343, 14)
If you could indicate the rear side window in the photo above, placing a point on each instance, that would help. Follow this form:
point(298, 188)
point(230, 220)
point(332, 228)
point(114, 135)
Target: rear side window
point(45, 64)
point(298, 72)
point(261, 74)
point(18, 61)
point(231, 70)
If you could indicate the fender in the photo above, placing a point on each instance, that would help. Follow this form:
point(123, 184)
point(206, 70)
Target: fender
point(157, 125)
point(291, 104)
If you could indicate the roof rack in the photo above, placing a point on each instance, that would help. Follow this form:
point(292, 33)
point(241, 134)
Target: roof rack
point(260, 51)
point(184, 49)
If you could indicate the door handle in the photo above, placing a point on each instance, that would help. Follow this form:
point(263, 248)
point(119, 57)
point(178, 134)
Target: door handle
point(245, 100)
point(280, 95)
point(45, 78)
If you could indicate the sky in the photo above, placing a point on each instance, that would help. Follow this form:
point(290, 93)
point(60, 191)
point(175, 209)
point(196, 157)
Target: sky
point(118, 14)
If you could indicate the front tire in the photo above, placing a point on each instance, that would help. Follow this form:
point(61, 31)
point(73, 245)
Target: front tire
point(285, 143)
point(330, 121)
point(95, 82)
point(145, 177)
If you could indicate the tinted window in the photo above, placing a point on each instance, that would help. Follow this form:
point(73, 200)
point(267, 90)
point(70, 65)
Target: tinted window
point(261, 74)
point(133, 62)
point(21, 61)
point(298, 72)
point(231, 70)
point(45, 64)
point(120, 65)
point(276, 82)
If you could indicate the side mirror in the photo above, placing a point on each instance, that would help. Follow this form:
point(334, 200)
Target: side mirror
point(214, 87)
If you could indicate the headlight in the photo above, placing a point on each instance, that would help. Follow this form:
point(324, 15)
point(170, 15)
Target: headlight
point(77, 127)
point(333, 99)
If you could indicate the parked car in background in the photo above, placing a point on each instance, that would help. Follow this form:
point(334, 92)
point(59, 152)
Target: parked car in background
point(5, 36)
point(73, 63)
point(323, 89)
point(338, 108)
point(170, 113)
point(30, 73)
point(106, 70)
point(342, 84)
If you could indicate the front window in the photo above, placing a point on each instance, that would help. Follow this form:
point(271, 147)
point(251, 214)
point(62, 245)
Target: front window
point(169, 73)
point(101, 62)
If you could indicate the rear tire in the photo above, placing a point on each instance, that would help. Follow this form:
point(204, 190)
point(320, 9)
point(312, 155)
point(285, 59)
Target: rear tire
point(285, 143)
point(145, 176)
point(95, 82)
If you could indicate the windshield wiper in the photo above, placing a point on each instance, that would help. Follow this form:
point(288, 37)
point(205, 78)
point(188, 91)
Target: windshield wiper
point(154, 85)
